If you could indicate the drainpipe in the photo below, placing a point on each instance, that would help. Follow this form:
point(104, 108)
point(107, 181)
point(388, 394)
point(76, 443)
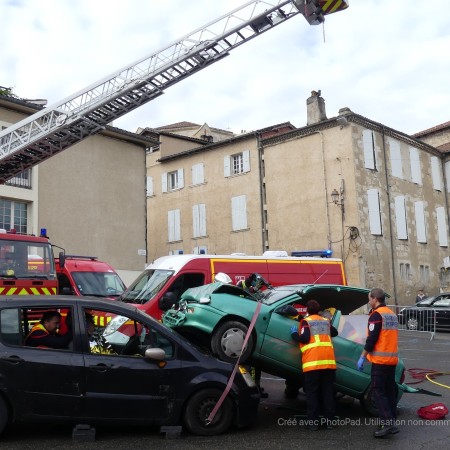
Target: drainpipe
point(388, 193)
point(262, 193)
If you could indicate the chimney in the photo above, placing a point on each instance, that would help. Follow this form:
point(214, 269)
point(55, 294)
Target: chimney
point(315, 108)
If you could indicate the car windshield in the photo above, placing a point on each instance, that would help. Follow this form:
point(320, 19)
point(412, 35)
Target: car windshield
point(146, 286)
point(426, 301)
point(271, 296)
point(99, 284)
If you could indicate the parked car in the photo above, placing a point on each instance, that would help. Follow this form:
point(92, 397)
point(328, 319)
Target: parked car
point(218, 315)
point(430, 314)
point(152, 377)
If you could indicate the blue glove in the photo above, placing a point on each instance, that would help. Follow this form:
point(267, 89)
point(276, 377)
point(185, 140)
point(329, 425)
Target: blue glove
point(360, 364)
point(294, 329)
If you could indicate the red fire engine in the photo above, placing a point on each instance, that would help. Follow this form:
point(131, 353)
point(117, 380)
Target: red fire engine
point(27, 266)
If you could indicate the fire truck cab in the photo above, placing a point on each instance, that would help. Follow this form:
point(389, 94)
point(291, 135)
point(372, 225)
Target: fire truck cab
point(86, 275)
point(27, 266)
point(163, 282)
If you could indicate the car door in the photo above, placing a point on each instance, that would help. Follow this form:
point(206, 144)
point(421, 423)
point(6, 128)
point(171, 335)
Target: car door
point(277, 345)
point(40, 381)
point(120, 382)
point(442, 313)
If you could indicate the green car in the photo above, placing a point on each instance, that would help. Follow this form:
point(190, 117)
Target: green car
point(218, 316)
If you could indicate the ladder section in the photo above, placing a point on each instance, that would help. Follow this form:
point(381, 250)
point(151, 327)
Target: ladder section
point(87, 112)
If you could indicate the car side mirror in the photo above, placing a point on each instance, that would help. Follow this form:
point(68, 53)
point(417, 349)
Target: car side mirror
point(287, 310)
point(156, 354)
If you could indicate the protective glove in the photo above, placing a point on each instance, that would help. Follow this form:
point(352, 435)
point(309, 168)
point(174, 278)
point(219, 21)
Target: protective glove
point(360, 364)
point(294, 329)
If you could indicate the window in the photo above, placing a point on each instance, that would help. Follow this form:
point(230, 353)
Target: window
point(239, 213)
point(174, 225)
point(400, 217)
point(416, 172)
point(21, 180)
point(405, 271)
point(373, 201)
point(442, 226)
point(122, 336)
point(199, 220)
point(237, 164)
point(198, 176)
point(149, 186)
point(420, 222)
point(369, 150)
point(172, 181)
point(13, 215)
point(424, 273)
point(396, 159)
point(436, 173)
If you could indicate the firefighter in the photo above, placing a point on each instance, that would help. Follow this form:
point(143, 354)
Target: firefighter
point(318, 364)
point(45, 333)
point(381, 349)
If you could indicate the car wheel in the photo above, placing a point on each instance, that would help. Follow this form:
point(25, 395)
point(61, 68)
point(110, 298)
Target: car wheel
point(4, 415)
point(412, 324)
point(198, 409)
point(227, 342)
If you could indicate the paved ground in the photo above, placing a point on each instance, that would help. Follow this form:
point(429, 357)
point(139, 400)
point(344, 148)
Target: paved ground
point(273, 429)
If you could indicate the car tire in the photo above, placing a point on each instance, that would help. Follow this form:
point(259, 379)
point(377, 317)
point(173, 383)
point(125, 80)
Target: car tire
point(227, 341)
point(412, 324)
point(4, 414)
point(198, 409)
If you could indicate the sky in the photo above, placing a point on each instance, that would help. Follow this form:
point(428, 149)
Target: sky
point(387, 60)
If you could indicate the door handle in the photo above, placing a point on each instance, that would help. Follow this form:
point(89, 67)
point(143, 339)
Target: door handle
point(13, 359)
point(101, 367)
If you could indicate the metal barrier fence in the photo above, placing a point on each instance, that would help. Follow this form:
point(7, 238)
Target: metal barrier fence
point(421, 320)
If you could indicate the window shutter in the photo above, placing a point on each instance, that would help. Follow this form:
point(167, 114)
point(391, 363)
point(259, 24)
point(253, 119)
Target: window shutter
point(396, 158)
point(149, 186)
point(164, 182)
point(174, 225)
point(239, 213)
point(246, 161)
point(442, 226)
point(180, 179)
point(447, 175)
point(202, 219)
point(420, 222)
point(197, 173)
point(373, 201)
point(416, 175)
point(226, 166)
point(195, 221)
point(369, 150)
point(400, 217)
point(436, 173)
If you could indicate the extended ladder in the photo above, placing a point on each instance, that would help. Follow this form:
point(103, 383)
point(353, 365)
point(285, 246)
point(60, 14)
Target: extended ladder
point(85, 113)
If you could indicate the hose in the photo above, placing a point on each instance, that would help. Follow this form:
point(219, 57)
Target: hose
point(426, 374)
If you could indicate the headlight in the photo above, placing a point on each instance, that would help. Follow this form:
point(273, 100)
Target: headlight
point(247, 377)
point(114, 325)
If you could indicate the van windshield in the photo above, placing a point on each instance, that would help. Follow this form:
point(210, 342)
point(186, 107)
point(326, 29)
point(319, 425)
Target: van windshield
point(146, 286)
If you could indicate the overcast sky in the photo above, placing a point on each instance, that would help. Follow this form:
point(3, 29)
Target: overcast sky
point(387, 60)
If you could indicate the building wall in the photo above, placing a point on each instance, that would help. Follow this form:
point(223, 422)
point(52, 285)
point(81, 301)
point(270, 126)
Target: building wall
point(92, 201)
point(215, 193)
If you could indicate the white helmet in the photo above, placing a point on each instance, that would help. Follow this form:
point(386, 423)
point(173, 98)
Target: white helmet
point(222, 278)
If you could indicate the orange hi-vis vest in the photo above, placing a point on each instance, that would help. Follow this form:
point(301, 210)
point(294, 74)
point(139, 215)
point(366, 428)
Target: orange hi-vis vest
point(37, 327)
point(318, 353)
point(386, 348)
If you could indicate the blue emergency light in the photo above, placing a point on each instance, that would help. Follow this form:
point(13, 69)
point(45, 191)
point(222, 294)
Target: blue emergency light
point(317, 253)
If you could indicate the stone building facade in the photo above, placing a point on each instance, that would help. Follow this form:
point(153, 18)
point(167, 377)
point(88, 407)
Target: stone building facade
point(375, 196)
